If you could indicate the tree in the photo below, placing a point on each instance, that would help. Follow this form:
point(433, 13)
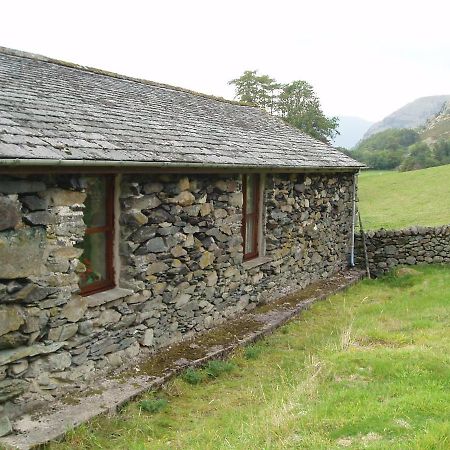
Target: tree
point(442, 151)
point(294, 102)
point(420, 157)
point(299, 106)
point(259, 90)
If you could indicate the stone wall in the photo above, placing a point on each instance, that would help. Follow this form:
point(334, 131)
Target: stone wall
point(181, 268)
point(387, 249)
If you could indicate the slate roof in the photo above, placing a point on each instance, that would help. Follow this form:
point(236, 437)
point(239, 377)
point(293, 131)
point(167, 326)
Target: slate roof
point(62, 113)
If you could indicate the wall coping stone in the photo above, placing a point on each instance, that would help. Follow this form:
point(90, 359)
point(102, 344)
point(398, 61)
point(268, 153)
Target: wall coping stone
point(101, 298)
point(256, 262)
point(11, 355)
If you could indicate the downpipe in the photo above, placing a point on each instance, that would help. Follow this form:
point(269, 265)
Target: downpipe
point(352, 251)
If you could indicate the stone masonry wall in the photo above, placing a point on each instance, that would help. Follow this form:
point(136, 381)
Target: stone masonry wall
point(387, 249)
point(181, 268)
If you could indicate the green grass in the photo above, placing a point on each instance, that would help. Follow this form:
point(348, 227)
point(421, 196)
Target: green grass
point(368, 368)
point(395, 200)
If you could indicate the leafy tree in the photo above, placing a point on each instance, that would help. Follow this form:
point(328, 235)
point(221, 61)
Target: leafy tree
point(385, 150)
point(389, 140)
point(260, 90)
point(420, 157)
point(295, 102)
point(299, 106)
point(442, 151)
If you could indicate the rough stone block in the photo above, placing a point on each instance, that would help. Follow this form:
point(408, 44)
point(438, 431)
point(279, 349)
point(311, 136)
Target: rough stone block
point(10, 215)
point(22, 252)
point(5, 425)
point(63, 197)
point(39, 218)
point(74, 310)
point(34, 202)
point(63, 332)
point(11, 318)
point(11, 388)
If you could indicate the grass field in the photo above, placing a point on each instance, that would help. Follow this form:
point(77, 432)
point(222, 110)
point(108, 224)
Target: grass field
point(396, 200)
point(368, 368)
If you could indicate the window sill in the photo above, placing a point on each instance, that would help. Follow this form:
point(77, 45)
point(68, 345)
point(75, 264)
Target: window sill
point(107, 296)
point(255, 262)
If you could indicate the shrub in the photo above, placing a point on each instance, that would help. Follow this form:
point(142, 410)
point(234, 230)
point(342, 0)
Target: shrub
point(153, 405)
point(216, 367)
point(192, 376)
point(252, 351)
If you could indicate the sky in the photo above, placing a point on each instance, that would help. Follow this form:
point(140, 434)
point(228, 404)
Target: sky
point(364, 58)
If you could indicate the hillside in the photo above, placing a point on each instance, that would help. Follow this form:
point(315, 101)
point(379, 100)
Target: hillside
point(400, 199)
point(351, 131)
point(438, 127)
point(413, 115)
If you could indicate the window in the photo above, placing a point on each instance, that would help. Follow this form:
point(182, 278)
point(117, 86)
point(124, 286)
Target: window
point(98, 240)
point(251, 215)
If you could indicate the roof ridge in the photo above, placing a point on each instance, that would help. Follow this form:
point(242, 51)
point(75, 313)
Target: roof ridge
point(39, 57)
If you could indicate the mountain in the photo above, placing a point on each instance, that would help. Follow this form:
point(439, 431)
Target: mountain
point(351, 131)
point(406, 148)
point(413, 115)
point(438, 127)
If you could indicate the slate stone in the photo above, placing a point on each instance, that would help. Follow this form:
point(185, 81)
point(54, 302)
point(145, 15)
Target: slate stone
point(180, 127)
point(39, 218)
point(63, 197)
point(8, 356)
point(133, 217)
point(75, 308)
point(142, 203)
point(22, 252)
point(13, 340)
point(34, 202)
point(157, 267)
point(11, 388)
point(184, 198)
point(160, 215)
point(11, 318)
point(9, 214)
point(21, 186)
point(59, 361)
point(36, 293)
point(5, 426)
point(63, 332)
point(148, 338)
point(155, 245)
point(206, 259)
point(144, 234)
point(152, 188)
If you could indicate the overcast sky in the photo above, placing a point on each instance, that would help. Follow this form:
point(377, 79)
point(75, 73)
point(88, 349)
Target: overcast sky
point(364, 58)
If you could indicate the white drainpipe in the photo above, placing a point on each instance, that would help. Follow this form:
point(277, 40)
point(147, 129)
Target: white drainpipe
point(352, 253)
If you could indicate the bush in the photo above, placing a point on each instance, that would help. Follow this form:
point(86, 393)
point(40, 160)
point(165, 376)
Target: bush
point(192, 376)
point(153, 405)
point(216, 367)
point(252, 351)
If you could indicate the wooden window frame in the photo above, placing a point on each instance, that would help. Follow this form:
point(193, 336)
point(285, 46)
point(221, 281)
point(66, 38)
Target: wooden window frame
point(255, 216)
point(109, 231)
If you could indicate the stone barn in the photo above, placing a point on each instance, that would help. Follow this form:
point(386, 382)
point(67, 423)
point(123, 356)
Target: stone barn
point(135, 214)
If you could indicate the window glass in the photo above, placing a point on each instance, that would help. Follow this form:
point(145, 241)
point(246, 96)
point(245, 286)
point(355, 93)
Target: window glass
point(94, 258)
point(98, 239)
point(251, 213)
point(249, 236)
point(95, 205)
point(250, 194)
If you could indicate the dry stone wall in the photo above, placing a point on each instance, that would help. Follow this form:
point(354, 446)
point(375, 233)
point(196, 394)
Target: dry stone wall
point(181, 268)
point(387, 249)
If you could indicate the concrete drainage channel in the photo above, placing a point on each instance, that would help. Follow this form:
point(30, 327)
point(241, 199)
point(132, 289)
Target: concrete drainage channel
point(110, 394)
